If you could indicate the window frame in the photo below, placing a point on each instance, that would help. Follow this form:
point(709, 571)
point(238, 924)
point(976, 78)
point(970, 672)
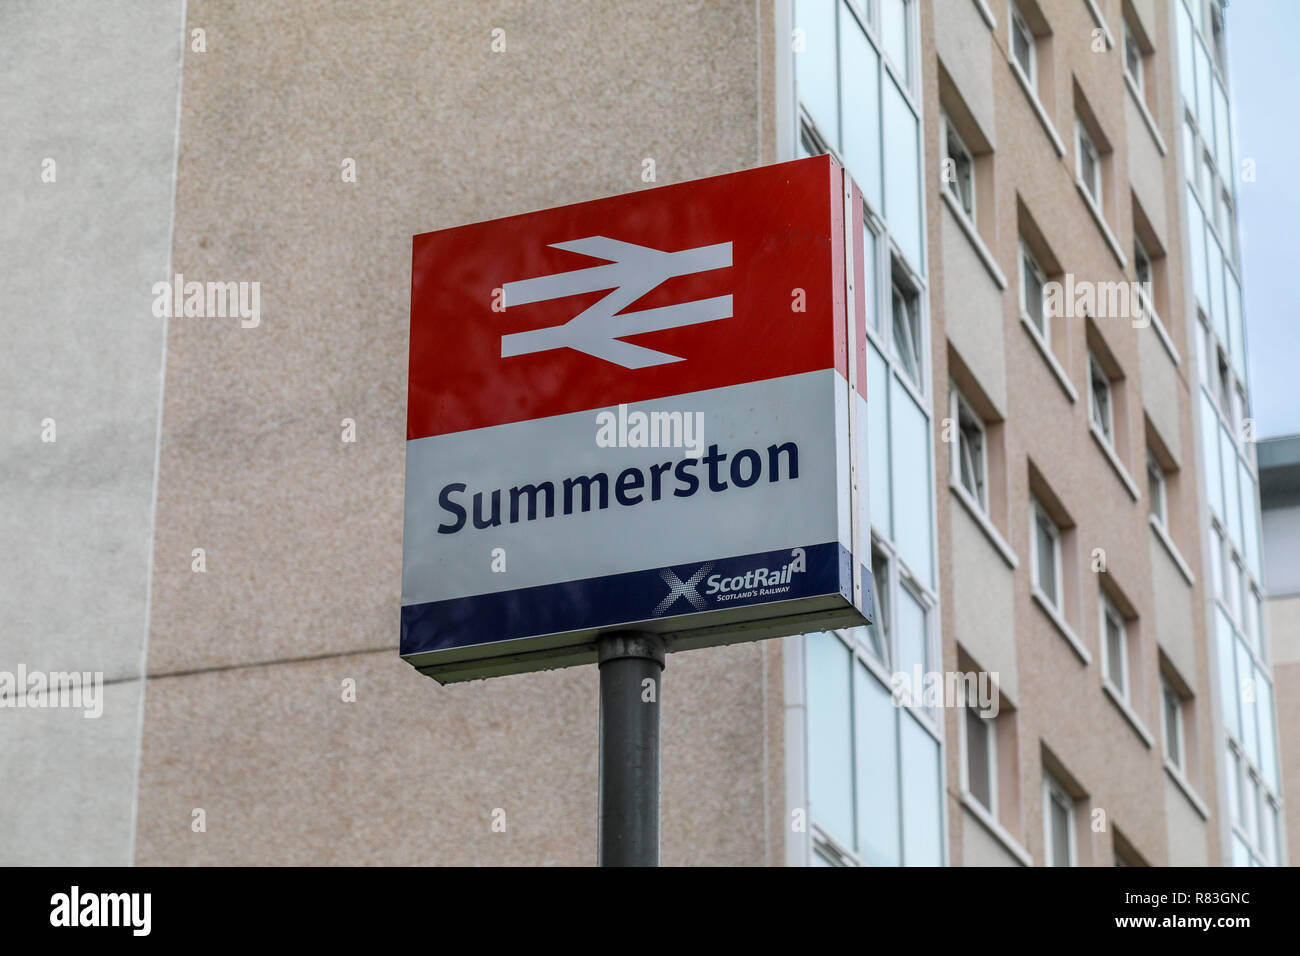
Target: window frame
point(1095, 372)
point(1157, 490)
point(1056, 598)
point(989, 729)
point(1168, 694)
point(1052, 788)
point(1083, 142)
point(1043, 324)
point(1015, 19)
point(911, 300)
point(1136, 76)
point(1109, 614)
point(957, 405)
point(952, 138)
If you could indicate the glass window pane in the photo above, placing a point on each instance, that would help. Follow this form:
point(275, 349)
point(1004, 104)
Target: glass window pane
point(1059, 823)
point(978, 777)
point(1204, 104)
point(1223, 645)
point(1045, 548)
point(878, 441)
point(1240, 855)
point(877, 775)
point(1233, 764)
point(1115, 654)
point(1249, 518)
point(1210, 448)
point(1222, 151)
point(893, 32)
point(814, 68)
point(922, 840)
point(1232, 293)
point(912, 643)
point(869, 277)
point(1231, 496)
point(1267, 736)
point(1215, 291)
point(860, 92)
point(911, 482)
point(1196, 238)
point(1172, 712)
point(830, 761)
point(1248, 692)
point(903, 176)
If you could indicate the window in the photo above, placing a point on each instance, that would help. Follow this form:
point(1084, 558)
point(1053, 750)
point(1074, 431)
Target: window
point(970, 464)
point(895, 32)
point(907, 331)
point(1223, 213)
point(1142, 267)
point(1172, 710)
point(981, 757)
point(1022, 45)
point(960, 171)
point(1032, 305)
point(1058, 824)
point(1156, 490)
point(1132, 57)
point(1088, 165)
point(1045, 541)
point(1216, 26)
point(878, 633)
point(1115, 648)
point(1099, 400)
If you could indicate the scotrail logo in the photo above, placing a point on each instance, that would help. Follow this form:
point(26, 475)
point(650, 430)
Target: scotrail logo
point(757, 582)
point(632, 272)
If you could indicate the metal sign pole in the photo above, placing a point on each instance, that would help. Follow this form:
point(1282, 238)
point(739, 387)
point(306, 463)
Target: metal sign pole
point(631, 685)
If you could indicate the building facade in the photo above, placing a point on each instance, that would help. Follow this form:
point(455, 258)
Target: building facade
point(1054, 470)
point(1279, 500)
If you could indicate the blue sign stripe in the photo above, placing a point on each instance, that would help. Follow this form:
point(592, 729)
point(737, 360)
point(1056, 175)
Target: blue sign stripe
point(657, 593)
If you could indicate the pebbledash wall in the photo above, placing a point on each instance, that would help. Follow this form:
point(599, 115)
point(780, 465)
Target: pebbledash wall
point(219, 154)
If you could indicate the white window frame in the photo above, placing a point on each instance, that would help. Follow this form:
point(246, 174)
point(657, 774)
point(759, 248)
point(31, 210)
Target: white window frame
point(1108, 613)
point(1142, 263)
point(1016, 21)
point(1134, 75)
point(957, 404)
point(1169, 692)
point(1082, 142)
point(1051, 788)
point(1043, 324)
point(1055, 598)
point(952, 138)
point(1106, 428)
point(991, 730)
point(1156, 489)
point(911, 302)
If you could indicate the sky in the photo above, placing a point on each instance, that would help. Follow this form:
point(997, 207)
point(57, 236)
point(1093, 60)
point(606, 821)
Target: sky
point(1263, 70)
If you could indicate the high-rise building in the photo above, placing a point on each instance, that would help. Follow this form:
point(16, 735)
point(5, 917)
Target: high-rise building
point(1068, 665)
point(1279, 500)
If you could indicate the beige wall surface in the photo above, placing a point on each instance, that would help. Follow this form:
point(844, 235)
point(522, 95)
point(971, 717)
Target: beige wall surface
point(302, 532)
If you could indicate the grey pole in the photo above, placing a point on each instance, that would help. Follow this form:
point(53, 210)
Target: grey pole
point(628, 825)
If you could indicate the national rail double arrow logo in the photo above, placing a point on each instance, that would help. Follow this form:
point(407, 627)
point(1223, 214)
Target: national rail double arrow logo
point(631, 273)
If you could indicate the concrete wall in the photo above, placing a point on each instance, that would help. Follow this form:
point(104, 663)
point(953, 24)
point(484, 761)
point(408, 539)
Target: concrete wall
point(245, 716)
point(97, 94)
